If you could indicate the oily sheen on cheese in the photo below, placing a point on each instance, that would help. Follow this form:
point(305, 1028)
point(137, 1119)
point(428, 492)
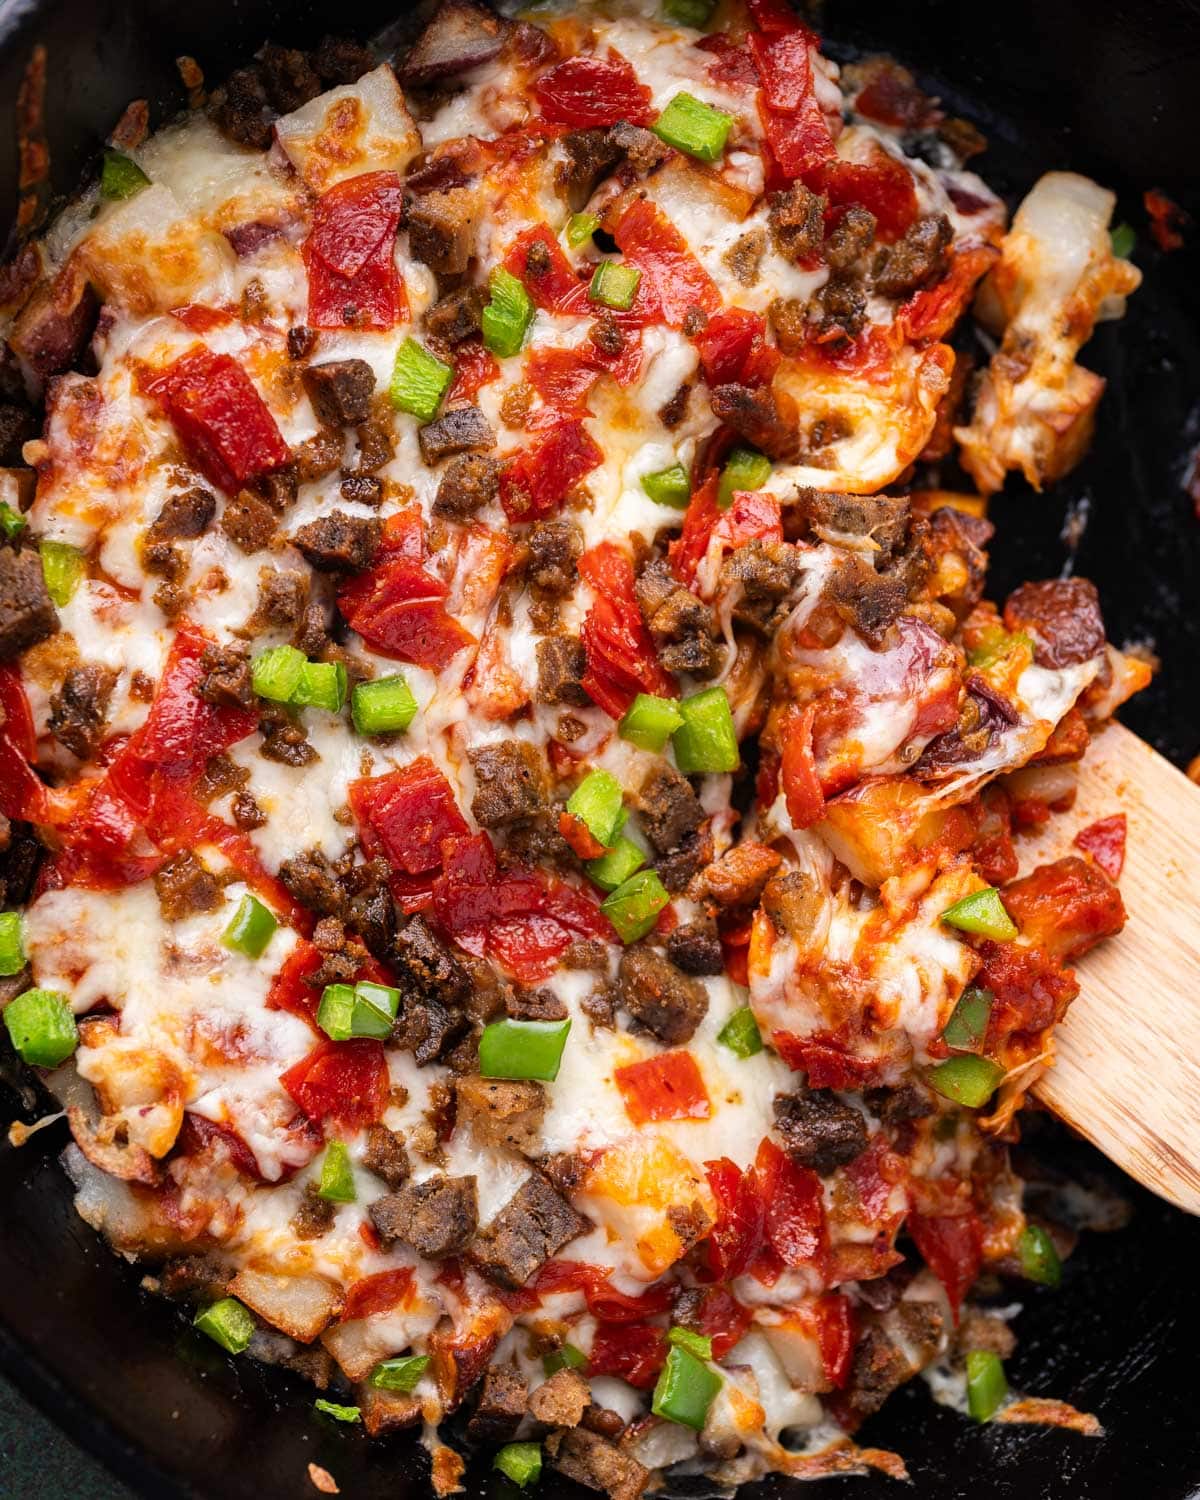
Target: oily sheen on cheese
point(716, 488)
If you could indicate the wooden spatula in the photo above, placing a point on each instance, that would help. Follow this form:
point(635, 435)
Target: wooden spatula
point(1127, 1074)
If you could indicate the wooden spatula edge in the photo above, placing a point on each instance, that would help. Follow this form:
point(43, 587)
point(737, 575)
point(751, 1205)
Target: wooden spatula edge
point(1127, 1073)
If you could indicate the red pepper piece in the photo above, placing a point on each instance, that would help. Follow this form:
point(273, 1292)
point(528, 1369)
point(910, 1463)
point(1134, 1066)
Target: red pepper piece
point(587, 91)
point(406, 814)
point(377, 1294)
point(801, 783)
point(621, 660)
point(673, 280)
point(537, 477)
point(346, 1082)
point(631, 1351)
point(350, 258)
point(222, 421)
point(666, 1087)
point(1105, 842)
point(952, 1248)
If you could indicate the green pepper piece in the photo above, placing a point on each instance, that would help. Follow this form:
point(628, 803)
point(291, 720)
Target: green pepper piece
point(337, 1175)
point(649, 722)
point(693, 127)
point(982, 913)
point(596, 802)
point(706, 740)
point(419, 381)
point(634, 906)
point(745, 469)
point(565, 1358)
point(520, 1462)
point(741, 1034)
point(615, 865)
point(338, 1412)
point(1038, 1257)
point(62, 568)
point(120, 177)
point(275, 674)
point(383, 706)
point(967, 1079)
point(685, 1390)
point(227, 1323)
point(986, 1384)
point(669, 487)
point(523, 1049)
point(42, 1027)
point(250, 928)
point(966, 1029)
point(402, 1374)
point(12, 942)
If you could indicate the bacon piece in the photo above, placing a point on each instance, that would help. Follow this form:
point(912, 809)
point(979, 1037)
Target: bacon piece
point(666, 1087)
point(222, 421)
point(589, 91)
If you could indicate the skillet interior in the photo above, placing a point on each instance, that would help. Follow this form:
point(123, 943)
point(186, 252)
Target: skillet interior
point(1113, 94)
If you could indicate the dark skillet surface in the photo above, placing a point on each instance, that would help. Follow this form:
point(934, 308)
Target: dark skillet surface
point(1110, 89)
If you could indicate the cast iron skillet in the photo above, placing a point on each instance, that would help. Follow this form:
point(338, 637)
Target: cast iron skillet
point(1108, 88)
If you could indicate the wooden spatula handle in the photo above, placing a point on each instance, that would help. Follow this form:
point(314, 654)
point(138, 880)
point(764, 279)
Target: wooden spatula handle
point(1127, 1074)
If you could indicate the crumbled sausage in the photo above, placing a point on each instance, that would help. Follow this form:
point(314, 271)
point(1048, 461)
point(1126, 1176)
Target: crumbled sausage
point(788, 317)
point(436, 1217)
point(470, 482)
point(818, 1130)
point(248, 522)
point(911, 1101)
point(506, 1112)
point(315, 1215)
point(850, 239)
point(27, 614)
point(695, 948)
point(79, 708)
point(882, 1363)
point(289, 78)
point(660, 998)
point(681, 625)
point(461, 34)
point(531, 1227)
point(917, 259)
point(834, 518)
point(318, 455)
point(362, 489)
point(554, 549)
point(670, 808)
point(501, 1405)
point(340, 543)
point(429, 964)
point(796, 218)
point(226, 682)
point(606, 334)
point(642, 149)
point(281, 596)
point(376, 446)
point(184, 517)
point(589, 155)
point(744, 257)
point(838, 310)
point(386, 1156)
point(247, 814)
point(463, 430)
point(340, 391)
point(426, 1028)
point(562, 663)
point(285, 741)
point(184, 887)
point(457, 315)
point(510, 782)
point(562, 1400)
point(339, 60)
point(301, 341)
point(1063, 617)
point(592, 1460)
point(242, 112)
point(534, 1005)
point(872, 602)
point(441, 229)
point(680, 867)
point(766, 418)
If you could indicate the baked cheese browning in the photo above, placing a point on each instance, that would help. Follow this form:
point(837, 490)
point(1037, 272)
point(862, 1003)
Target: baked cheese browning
point(483, 448)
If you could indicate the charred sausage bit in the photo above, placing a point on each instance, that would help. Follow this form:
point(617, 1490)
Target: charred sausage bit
point(502, 1111)
point(672, 412)
point(339, 60)
point(642, 149)
point(562, 663)
point(554, 549)
point(680, 867)
point(301, 341)
point(606, 334)
point(796, 218)
point(603, 1421)
point(532, 1226)
point(436, 1217)
point(281, 596)
point(849, 240)
point(766, 572)
point(53, 328)
point(884, 519)
point(670, 808)
point(386, 1156)
point(896, 1106)
point(501, 1405)
point(248, 522)
point(184, 887)
point(376, 445)
point(19, 863)
point(591, 1460)
point(510, 782)
point(562, 1400)
point(745, 255)
point(681, 625)
point(696, 948)
point(340, 391)
point(659, 997)
point(247, 814)
point(184, 517)
point(463, 1057)
point(441, 229)
point(470, 482)
point(1062, 616)
point(368, 906)
point(586, 953)
point(738, 877)
point(881, 1364)
point(534, 1005)
point(312, 634)
point(284, 741)
point(79, 708)
point(27, 613)
point(279, 488)
point(195, 1278)
point(242, 112)
point(463, 430)
point(288, 77)
point(590, 154)
point(767, 419)
point(460, 35)
point(429, 964)
point(818, 1130)
point(690, 1223)
point(917, 259)
point(457, 315)
point(788, 317)
point(318, 455)
point(163, 559)
point(226, 682)
point(838, 310)
point(426, 1028)
point(339, 543)
point(220, 776)
point(872, 602)
point(362, 489)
